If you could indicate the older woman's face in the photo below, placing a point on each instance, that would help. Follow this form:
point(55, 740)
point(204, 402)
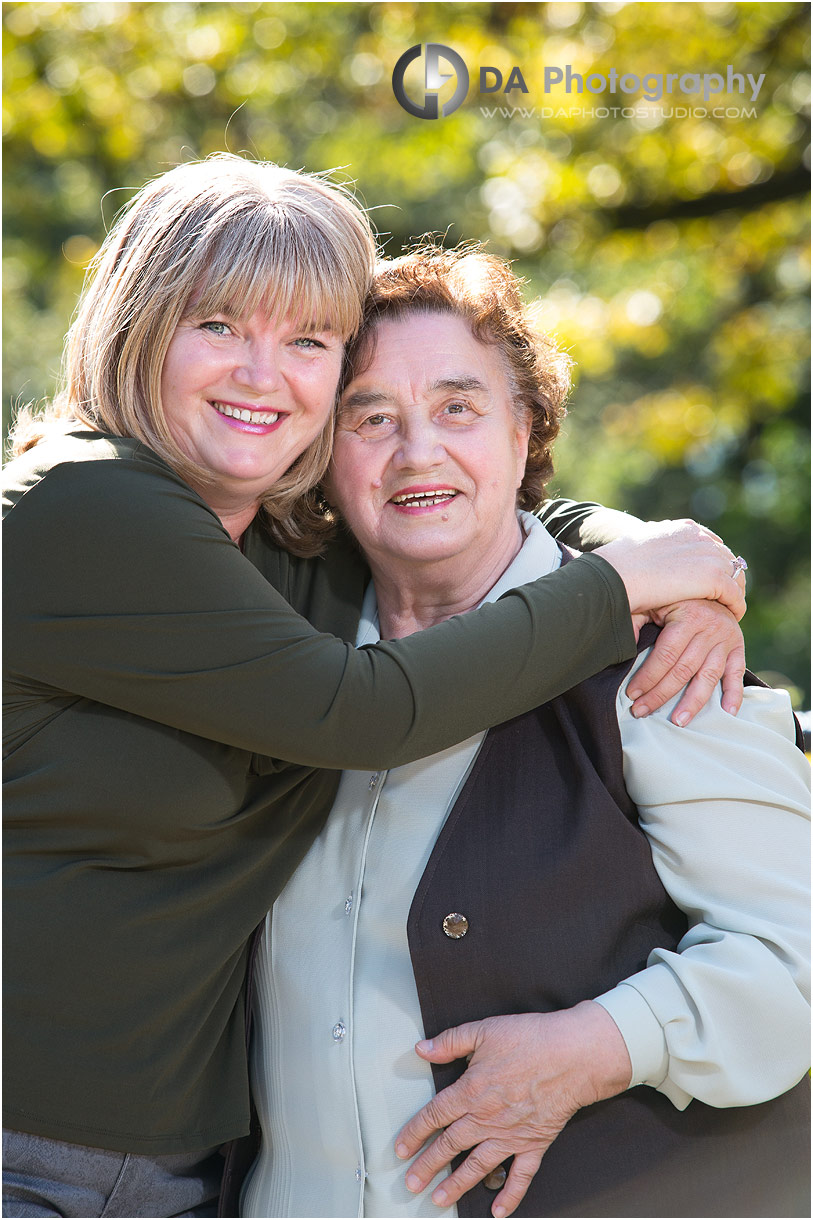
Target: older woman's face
point(245, 397)
point(428, 454)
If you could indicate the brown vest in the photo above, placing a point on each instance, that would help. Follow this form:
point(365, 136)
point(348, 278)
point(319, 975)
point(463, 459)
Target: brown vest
point(543, 855)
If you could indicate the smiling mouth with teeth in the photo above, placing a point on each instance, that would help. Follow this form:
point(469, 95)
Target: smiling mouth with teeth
point(424, 499)
point(246, 417)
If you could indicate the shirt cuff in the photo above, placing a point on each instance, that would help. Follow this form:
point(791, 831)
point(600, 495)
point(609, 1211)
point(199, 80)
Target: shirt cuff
point(645, 1041)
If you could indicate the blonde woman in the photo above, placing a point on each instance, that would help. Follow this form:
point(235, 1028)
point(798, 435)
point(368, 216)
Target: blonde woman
point(167, 706)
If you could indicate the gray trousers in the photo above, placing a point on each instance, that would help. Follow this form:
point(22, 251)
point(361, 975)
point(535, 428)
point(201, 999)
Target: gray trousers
point(44, 1177)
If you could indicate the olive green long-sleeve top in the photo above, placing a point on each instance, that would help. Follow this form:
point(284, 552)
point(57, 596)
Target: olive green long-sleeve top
point(155, 678)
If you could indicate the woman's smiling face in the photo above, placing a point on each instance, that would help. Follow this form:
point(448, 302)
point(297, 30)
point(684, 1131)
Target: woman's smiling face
point(243, 398)
point(428, 452)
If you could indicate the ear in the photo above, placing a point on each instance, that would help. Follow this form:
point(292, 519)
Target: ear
point(522, 433)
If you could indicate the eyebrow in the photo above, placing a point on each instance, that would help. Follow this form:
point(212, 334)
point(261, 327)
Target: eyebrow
point(364, 398)
point(464, 384)
point(313, 328)
point(375, 398)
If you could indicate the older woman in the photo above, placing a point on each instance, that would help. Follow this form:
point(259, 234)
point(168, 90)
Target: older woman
point(157, 674)
point(501, 890)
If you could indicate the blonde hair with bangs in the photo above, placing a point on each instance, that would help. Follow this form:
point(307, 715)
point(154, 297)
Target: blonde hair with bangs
point(235, 236)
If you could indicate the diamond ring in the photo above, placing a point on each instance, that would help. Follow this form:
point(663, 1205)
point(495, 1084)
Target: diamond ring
point(739, 566)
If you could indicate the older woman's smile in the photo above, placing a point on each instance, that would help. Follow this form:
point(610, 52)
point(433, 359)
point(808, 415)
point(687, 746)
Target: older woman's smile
point(422, 499)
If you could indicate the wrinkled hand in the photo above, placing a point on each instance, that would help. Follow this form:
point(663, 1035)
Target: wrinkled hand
point(700, 644)
point(667, 561)
point(527, 1076)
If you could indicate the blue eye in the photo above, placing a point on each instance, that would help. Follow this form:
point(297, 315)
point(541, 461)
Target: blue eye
point(212, 328)
point(306, 342)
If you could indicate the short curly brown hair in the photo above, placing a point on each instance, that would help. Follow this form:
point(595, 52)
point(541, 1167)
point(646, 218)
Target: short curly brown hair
point(482, 289)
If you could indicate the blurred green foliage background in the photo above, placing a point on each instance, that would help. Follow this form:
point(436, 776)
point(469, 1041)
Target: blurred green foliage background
point(668, 245)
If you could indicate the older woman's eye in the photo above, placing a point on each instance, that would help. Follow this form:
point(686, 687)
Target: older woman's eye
point(308, 343)
point(375, 425)
point(216, 328)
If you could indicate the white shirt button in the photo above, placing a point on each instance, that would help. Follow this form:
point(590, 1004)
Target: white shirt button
point(338, 1031)
point(348, 904)
point(374, 780)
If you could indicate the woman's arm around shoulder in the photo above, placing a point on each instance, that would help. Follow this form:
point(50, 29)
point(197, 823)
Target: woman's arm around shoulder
point(124, 588)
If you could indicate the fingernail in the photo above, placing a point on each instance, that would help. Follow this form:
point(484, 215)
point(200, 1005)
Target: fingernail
point(413, 1182)
point(640, 710)
point(498, 1211)
point(729, 707)
point(402, 1151)
point(440, 1197)
point(682, 718)
point(631, 694)
point(426, 1044)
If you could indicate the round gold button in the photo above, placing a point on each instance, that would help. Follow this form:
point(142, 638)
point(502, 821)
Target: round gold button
point(455, 925)
point(496, 1178)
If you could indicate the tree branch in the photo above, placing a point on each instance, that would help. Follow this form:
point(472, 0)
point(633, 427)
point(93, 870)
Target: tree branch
point(788, 184)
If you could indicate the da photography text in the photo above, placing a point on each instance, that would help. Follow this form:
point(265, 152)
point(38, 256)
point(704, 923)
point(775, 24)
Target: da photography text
point(442, 64)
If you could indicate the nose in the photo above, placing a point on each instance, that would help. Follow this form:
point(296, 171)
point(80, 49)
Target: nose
point(419, 446)
point(258, 367)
